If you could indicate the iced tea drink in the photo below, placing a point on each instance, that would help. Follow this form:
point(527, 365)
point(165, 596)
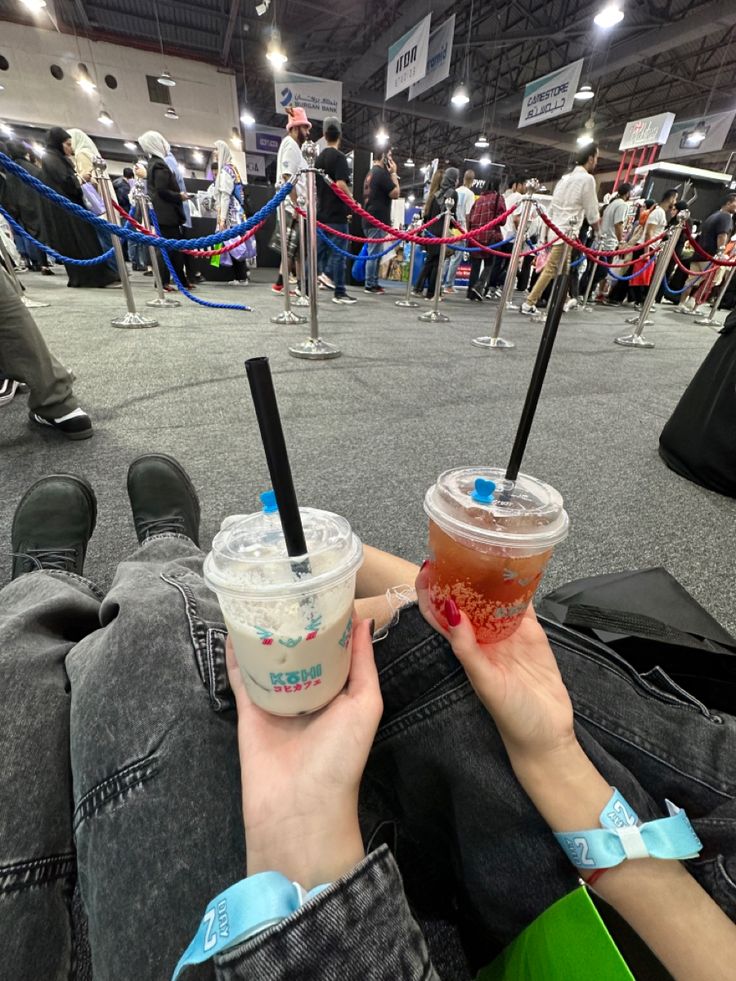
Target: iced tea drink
point(489, 543)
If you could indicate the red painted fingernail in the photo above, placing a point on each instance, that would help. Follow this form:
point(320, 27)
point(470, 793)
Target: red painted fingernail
point(424, 565)
point(452, 614)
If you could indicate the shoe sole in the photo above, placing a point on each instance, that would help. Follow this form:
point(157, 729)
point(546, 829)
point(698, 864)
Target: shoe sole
point(186, 479)
point(85, 486)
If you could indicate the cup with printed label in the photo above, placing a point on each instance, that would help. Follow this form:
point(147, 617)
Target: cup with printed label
point(289, 618)
point(490, 540)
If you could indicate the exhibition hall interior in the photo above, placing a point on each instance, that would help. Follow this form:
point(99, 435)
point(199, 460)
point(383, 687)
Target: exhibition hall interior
point(368, 454)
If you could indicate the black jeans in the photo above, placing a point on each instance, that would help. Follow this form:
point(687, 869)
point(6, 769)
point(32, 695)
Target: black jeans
point(120, 768)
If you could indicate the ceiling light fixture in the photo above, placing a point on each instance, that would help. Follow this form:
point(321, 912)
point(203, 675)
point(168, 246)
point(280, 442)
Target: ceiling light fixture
point(408, 162)
point(165, 79)
point(105, 118)
point(411, 199)
point(197, 156)
point(460, 96)
point(130, 146)
point(584, 94)
point(247, 118)
point(482, 141)
point(35, 6)
point(85, 82)
point(484, 160)
point(696, 136)
point(262, 8)
point(609, 16)
point(584, 139)
point(382, 137)
point(275, 53)
point(171, 113)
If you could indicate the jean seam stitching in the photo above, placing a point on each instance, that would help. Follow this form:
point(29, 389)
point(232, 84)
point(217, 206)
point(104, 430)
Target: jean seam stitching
point(87, 805)
point(166, 535)
point(190, 608)
point(63, 574)
point(33, 863)
point(422, 712)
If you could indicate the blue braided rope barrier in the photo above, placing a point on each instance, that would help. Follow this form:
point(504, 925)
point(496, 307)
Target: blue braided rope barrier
point(687, 281)
point(178, 244)
point(65, 259)
point(182, 288)
point(349, 255)
point(625, 279)
point(476, 248)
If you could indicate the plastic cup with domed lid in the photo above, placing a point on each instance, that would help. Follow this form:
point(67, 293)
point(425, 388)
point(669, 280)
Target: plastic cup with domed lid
point(490, 540)
point(290, 621)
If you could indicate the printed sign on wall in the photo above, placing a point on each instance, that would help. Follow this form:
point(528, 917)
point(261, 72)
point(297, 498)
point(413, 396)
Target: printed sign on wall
point(685, 135)
point(550, 96)
point(439, 56)
point(318, 97)
point(407, 58)
point(647, 132)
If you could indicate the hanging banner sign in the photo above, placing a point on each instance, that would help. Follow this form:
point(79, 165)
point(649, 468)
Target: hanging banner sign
point(318, 97)
point(647, 132)
point(550, 96)
point(255, 165)
point(263, 139)
point(407, 58)
point(439, 56)
point(685, 135)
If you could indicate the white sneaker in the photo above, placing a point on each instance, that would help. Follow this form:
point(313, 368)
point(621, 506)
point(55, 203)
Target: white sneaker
point(528, 309)
point(570, 304)
point(8, 388)
point(685, 311)
point(325, 280)
point(292, 278)
point(237, 282)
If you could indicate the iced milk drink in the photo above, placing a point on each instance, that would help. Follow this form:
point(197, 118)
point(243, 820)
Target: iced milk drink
point(489, 543)
point(289, 619)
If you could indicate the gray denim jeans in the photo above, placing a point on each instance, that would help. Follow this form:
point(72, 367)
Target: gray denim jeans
point(120, 769)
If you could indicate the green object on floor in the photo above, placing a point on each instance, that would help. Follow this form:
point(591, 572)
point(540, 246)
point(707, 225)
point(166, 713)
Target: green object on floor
point(568, 942)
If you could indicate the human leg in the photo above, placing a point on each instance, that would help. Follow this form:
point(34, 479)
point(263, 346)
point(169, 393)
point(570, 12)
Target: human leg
point(431, 271)
point(336, 265)
point(547, 274)
point(475, 263)
point(371, 265)
point(44, 612)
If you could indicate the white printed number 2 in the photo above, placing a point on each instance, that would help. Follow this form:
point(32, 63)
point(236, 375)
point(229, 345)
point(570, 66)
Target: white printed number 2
point(582, 845)
point(210, 938)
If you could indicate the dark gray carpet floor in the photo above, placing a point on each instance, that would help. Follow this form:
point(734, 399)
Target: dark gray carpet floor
point(368, 432)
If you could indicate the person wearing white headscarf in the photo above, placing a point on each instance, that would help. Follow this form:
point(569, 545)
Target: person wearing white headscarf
point(228, 201)
point(167, 199)
point(84, 150)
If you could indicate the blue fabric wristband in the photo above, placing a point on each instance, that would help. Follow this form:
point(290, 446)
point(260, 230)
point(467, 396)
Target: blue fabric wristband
point(622, 836)
point(241, 911)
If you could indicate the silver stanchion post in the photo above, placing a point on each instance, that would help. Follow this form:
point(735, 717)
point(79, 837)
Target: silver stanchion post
point(635, 339)
point(715, 306)
point(287, 315)
point(161, 300)
point(8, 262)
point(314, 348)
point(434, 316)
point(495, 339)
point(584, 305)
point(301, 300)
point(131, 319)
point(407, 301)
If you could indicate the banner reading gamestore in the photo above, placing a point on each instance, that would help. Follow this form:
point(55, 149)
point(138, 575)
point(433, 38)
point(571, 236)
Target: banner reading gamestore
point(318, 97)
point(439, 56)
point(550, 96)
point(407, 58)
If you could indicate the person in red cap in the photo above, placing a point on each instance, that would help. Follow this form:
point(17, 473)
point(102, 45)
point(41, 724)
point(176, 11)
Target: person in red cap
point(289, 162)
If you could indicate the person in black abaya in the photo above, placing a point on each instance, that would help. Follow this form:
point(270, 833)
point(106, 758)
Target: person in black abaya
point(25, 204)
point(167, 199)
point(699, 440)
point(63, 231)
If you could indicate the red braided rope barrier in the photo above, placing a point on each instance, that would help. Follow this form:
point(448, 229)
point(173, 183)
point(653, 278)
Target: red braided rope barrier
point(196, 253)
point(408, 236)
point(593, 252)
point(691, 272)
point(701, 251)
point(360, 238)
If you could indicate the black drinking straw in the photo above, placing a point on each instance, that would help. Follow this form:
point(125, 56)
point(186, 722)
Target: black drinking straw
point(554, 314)
point(272, 435)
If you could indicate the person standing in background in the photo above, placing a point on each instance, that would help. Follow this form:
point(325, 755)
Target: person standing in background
point(612, 237)
point(228, 195)
point(331, 210)
point(24, 204)
point(435, 206)
point(465, 201)
point(173, 165)
point(489, 205)
point(167, 200)
point(380, 188)
point(290, 162)
point(512, 197)
point(713, 236)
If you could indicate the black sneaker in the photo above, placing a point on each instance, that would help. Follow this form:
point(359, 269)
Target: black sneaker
point(344, 298)
point(75, 425)
point(53, 525)
point(162, 498)
point(377, 290)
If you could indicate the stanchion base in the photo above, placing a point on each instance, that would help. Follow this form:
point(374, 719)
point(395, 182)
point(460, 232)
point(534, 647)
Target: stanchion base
point(433, 317)
point(315, 350)
point(492, 342)
point(406, 303)
point(33, 304)
point(704, 322)
point(633, 340)
point(288, 317)
point(133, 321)
point(635, 320)
point(163, 301)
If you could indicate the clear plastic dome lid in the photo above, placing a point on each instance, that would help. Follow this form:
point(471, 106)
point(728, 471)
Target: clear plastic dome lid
point(479, 504)
point(249, 554)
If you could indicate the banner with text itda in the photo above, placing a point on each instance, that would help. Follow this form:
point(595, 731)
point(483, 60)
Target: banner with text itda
point(439, 57)
point(407, 58)
point(550, 96)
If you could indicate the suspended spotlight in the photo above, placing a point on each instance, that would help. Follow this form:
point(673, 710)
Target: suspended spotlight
point(171, 113)
point(105, 118)
point(609, 16)
point(85, 82)
point(408, 162)
point(411, 199)
point(584, 139)
point(584, 94)
point(262, 7)
point(197, 156)
point(165, 79)
point(35, 6)
point(275, 53)
point(460, 96)
point(695, 137)
point(382, 137)
point(484, 160)
point(130, 146)
point(247, 118)
point(482, 141)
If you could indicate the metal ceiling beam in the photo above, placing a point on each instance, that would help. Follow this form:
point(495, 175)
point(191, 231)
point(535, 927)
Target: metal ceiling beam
point(81, 13)
point(231, 22)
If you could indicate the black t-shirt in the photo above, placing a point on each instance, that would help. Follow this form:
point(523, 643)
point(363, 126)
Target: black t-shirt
point(719, 223)
point(330, 209)
point(376, 190)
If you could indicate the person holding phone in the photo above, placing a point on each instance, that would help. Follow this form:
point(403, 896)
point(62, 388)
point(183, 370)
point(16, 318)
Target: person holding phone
point(381, 187)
